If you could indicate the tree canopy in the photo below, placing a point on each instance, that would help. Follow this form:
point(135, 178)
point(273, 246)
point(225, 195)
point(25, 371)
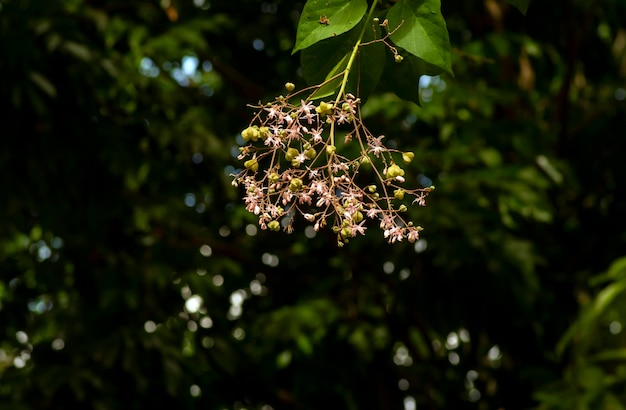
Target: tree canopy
point(132, 275)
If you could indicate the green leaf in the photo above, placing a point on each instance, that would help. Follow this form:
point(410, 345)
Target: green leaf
point(322, 19)
point(617, 270)
point(327, 59)
point(332, 85)
point(418, 27)
point(521, 5)
point(368, 68)
point(403, 78)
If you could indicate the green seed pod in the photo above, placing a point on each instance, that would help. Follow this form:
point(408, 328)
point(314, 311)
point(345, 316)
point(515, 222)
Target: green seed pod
point(398, 194)
point(402, 208)
point(290, 87)
point(371, 188)
point(330, 149)
point(264, 132)
point(398, 58)
point(365, 160)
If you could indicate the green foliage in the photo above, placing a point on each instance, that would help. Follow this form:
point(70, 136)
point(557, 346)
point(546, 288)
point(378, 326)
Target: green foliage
point(325, 19)
point(131, 276)
point(419, 28)
point(596, 377)
point(328, 44)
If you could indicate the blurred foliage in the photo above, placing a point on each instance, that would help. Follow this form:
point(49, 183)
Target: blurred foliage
point(131, 276)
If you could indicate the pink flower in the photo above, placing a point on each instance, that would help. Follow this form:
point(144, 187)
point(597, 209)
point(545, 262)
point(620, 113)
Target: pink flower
point(413, 235)
point(421, 200)
point(357, 228)
point(305, 110)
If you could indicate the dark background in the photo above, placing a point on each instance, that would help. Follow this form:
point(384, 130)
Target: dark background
point(118, 125)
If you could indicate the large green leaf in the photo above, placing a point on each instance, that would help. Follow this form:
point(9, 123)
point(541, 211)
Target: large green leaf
point(322, 19)
point(419, 28)
point(403, 78)
point(521, 5)
point(325, 59)
point(329, 57)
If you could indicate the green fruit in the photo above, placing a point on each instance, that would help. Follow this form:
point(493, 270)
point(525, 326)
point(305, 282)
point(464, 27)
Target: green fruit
point(398, 194)
point(407, 157)
point(290, 87)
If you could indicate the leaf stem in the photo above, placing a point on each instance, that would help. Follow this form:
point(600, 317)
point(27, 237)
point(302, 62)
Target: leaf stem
point(355, 49)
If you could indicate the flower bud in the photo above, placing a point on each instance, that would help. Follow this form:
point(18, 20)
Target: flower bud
point(324, 109)
point(295, 184)
point(398, 58)
point(402, 208)
point(290, 87)
point(291, 154)
point(252, 164)
point(310, 153)
point(346, 233)
point(398, 194)
point(357, 217)
point(371, 188)
point(274, 226)
point(394, 171)
point(274, 177)
point(330, 149)
point(250, 133)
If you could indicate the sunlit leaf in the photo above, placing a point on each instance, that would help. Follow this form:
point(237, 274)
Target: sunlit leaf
point(419, 28)
point(321, 19)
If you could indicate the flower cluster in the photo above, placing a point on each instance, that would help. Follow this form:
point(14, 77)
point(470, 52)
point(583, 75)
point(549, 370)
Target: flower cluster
point(292, 166)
